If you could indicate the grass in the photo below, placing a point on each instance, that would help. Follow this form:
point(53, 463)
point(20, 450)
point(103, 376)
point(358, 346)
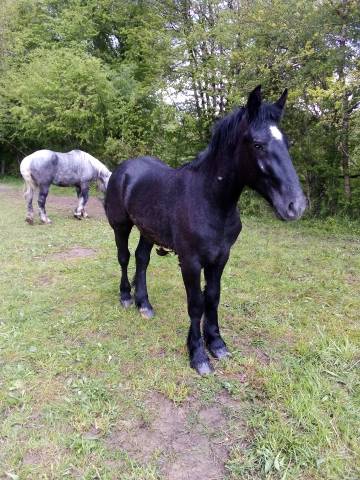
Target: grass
point(81, 379)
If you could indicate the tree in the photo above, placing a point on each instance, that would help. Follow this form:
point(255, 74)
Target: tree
point(152, 76)
point(59, 99)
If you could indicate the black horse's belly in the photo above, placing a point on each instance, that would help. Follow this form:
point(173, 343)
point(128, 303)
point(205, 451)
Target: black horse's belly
point(152, 219)
point(157, 233)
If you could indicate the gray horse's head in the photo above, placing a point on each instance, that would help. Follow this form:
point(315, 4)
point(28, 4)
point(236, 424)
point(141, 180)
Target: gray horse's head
point(103, 180)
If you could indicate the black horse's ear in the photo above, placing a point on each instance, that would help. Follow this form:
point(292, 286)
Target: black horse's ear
point(282, 100)
point(254, 102)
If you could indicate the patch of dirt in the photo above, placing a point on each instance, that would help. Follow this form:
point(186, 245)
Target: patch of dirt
point(73, 253)
point(262, 356)
point(44, 456)
point(7, 188)
point(64, 204)
point(249, 350)
point(187, 442)
point(352, 279)
point(268, 353)
point(157, 352)
point(212, 418)
point(67, 204)
point(44, 280)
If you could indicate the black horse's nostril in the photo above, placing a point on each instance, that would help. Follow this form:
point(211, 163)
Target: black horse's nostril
point(291, 209)
point(296, 208)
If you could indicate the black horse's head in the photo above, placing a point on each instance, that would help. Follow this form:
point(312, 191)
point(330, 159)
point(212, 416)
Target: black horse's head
point(271, 172)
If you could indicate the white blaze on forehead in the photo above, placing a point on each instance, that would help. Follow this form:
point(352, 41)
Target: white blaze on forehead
point(275, 132)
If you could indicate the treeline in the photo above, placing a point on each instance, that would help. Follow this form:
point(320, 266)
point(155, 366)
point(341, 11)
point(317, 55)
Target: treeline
point(120, 78)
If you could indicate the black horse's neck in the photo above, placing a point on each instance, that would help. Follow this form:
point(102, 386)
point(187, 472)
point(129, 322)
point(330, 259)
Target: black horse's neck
point(221, 162)
point(223, 178)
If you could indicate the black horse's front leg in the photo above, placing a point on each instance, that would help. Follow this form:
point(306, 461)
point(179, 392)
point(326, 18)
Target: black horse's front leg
point(213, 340)
point(191, 272)
point(142, 256)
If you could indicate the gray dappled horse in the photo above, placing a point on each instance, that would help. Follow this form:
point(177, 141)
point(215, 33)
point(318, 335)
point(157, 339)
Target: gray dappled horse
point(75, 168)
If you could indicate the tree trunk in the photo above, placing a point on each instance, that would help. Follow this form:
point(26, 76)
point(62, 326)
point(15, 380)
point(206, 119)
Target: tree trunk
point(344, 149)
point(344, 122)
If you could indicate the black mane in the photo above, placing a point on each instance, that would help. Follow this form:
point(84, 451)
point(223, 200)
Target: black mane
point(226, 131)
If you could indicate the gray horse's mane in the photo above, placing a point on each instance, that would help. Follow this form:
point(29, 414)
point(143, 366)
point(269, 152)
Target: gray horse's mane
point(97, 165)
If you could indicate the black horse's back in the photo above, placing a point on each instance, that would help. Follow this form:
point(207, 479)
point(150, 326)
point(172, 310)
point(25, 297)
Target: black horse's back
point(133, 169)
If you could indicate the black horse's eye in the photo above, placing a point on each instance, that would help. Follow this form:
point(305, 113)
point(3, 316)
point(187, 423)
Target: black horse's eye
point(258, 146)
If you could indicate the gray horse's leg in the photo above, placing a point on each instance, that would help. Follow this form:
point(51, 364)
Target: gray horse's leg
point(29, 193)
point(43, 193)
point(83, 196)
point(77, 211)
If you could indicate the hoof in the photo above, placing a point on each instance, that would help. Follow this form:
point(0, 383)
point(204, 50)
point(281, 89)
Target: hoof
point(203, 368)
point(126, 303)
point(220, 353)
point(46, 221)
point(78, 216)
point(146, 313)
point(29, 220)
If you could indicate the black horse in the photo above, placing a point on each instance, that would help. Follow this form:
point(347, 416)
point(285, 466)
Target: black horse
point(193, 211)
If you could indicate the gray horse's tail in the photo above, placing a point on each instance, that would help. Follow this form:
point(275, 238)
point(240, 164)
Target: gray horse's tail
point(30, 185)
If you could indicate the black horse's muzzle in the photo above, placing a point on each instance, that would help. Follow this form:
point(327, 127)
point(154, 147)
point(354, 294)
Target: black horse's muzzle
point(291, 209)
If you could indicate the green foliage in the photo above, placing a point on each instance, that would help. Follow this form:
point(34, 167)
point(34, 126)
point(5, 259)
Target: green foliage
point(123, 78)
point(59, 98)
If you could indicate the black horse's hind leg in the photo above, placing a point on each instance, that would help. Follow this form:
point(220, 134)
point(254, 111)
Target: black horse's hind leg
point(191, 272)
point(83, 196)
point(212, 337)
point(122, 233)
point(43, 193)
point(142, 255)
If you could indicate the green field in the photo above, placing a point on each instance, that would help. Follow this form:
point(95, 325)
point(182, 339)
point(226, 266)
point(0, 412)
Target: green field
point(89, 390)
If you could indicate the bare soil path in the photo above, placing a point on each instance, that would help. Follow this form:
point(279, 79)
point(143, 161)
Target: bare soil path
point(64, 204)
